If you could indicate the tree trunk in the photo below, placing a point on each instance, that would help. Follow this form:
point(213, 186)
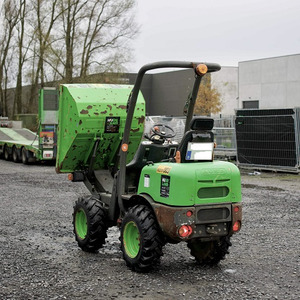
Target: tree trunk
point(18, 94)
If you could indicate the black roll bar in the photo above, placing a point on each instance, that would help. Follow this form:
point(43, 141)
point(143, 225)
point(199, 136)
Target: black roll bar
point(211, 67)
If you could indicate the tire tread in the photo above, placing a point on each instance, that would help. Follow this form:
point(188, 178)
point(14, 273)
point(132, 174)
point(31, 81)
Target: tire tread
point(153, 240)
point(97, 228)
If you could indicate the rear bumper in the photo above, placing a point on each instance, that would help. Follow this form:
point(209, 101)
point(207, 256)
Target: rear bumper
point(208, 222)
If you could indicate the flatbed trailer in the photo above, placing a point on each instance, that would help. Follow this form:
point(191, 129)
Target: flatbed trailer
point(22, 144)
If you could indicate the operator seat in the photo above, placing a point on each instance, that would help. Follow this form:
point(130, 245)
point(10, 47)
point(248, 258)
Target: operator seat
point(200, 132)
point(147, 153)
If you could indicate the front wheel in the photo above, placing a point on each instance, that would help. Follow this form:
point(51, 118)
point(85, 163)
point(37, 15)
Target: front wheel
point(89, 224)
point(141, 239)
point(209, 253)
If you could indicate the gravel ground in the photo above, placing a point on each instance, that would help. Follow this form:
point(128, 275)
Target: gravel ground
point(40, 259)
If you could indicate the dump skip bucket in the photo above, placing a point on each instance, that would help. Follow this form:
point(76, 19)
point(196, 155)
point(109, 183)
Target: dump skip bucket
point(95, 113)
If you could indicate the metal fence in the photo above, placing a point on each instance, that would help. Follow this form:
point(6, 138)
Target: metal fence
point(268, 139)
point(224, 136)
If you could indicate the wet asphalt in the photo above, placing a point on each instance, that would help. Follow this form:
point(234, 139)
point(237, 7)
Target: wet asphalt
point(40, 259)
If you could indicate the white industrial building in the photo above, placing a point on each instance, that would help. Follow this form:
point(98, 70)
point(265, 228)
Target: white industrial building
point(262, 83)
point(270, 83)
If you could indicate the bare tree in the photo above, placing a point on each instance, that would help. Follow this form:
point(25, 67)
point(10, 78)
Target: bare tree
point(10, 18)
point(21, 56)
point(7, 80)
point(109, 25)
point(47, 15)
point(95, 36)
point(59, 40)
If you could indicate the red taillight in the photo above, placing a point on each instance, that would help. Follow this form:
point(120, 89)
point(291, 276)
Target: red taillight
point(236, 209)
point(236, 226)
point(189, 213)
point(185, 231)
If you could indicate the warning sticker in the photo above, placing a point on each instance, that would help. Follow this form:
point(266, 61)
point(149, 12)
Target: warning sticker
point(163, 169)
point(165, 186)
point(147, 180)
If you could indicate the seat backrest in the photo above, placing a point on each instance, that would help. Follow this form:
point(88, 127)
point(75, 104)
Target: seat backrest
point(200, 133)
point(150, 152)
point(147, 152)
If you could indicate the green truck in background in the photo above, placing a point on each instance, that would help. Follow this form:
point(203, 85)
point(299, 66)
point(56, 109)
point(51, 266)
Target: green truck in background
point(155, 190)
point(21, 144)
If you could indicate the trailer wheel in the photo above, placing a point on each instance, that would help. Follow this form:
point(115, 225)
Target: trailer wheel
point(209, 253)
point(89, 224)
point(141, 239)
point(7, 153)
point(15, 155)
point(24, 156)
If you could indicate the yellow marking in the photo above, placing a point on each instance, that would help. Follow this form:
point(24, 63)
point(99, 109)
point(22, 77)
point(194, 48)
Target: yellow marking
point(163, 169)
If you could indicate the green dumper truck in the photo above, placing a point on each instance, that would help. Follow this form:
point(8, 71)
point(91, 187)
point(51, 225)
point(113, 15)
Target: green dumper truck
point(155, 190)
point(22, 144)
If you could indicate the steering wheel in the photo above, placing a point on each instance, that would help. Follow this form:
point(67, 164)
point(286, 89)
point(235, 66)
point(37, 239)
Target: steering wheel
point(160, 129)
point(159, 133)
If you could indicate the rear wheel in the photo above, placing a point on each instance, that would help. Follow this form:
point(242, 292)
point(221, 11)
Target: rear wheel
point(89, 224)
point(209, 253)
point(7, 153)
point(15, 155)
point(141, 239)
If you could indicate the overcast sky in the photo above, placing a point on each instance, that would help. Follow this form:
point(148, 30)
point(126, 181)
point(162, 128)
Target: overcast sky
point(222, 31)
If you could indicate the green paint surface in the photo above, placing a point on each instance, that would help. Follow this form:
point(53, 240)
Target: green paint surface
point(131, 238)
point(193, 183)
point(83, 113)
point(81, 224)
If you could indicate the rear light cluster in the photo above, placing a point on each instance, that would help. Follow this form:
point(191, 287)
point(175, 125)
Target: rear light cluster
point(236, 209)
point(189, 213)
point(236, 226)
point(185, 231)
point(237, 217)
